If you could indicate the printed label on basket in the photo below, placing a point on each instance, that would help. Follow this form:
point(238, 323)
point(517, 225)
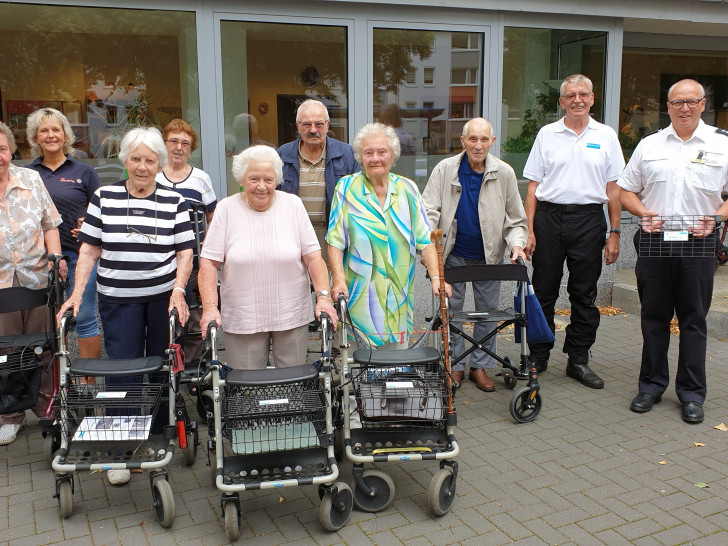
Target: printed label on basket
point(675, 235)
point(400, 385)
point(118, 428)
point(478, 314)
point(272, 402)
point(3, 359)
point(111, 394)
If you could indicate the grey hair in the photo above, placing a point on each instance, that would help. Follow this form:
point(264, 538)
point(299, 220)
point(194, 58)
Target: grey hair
point(575, 79)
point(254, 154)
point(310, 102)
point(150, 137)
point(39, 116)
point(377, 129)
point(686, 80)
point(467, 125)
point(8, 134)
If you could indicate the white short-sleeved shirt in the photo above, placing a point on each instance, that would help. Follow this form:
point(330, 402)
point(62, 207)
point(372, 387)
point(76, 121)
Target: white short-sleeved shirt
point(574, 169)
point(676, 177)
point(265, 285)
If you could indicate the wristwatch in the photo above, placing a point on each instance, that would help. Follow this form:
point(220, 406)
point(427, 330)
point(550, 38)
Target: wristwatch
point(323, 294)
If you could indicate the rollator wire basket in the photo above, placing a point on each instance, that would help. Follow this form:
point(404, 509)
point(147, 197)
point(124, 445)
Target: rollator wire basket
point(410, 396)
point(103, 414)
point(672, 237)
point(273, 418)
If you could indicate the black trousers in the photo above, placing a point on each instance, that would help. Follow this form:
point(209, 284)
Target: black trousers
point(668, 286)
point(577, 237)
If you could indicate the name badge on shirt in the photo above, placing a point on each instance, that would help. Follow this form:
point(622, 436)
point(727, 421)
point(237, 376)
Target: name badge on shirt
point(675, 235)
point(593, 145)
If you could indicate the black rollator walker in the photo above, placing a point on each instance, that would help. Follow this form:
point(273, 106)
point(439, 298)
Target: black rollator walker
point(397, 405)
point(110, 426)
point(273, 428)
point(525, 404)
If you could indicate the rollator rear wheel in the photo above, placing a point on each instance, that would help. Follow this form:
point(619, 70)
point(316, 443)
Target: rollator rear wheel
point(439, 497)
point(525, 407)
point(383, 488)
point(51, 444)
point(232, 521)
point(336, 507)
point(65, 499)
point(163, 502)
point(339, 445)
point(191, 451)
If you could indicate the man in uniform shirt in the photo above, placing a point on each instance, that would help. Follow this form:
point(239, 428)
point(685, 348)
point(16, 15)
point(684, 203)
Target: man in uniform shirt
point(679, 171)
point(314, 163)
point(473, 197)
point(572, 170)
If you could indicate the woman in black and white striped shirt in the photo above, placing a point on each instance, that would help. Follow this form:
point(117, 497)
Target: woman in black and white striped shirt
point(140, 234)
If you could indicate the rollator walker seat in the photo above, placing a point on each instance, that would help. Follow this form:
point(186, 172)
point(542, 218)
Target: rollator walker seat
point(269, 377)
point(114, 368)
point(417, 357)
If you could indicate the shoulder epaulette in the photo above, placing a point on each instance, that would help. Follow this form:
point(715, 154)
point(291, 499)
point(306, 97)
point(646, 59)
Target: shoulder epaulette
point(722, 132)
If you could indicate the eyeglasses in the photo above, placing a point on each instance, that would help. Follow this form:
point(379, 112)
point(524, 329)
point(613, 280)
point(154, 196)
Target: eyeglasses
point(176, 142)
point(131, 230)
point(692, 103)
point(572, 96)
point(319, 125)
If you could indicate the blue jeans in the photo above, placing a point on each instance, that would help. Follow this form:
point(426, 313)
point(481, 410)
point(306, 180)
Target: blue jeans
point(87, 325)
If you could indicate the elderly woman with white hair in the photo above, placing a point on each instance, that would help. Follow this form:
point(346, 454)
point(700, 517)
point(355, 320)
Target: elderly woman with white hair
point(268, 249)
point(378, 225)
point(140, 234)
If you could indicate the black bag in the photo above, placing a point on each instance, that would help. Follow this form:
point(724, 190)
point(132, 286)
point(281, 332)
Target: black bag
point(19, 388)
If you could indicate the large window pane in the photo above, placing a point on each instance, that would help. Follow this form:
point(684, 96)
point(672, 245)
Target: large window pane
point(535, 62)
point(428, 113)
point(119, 69)
point(647, 74)
point(268, 69)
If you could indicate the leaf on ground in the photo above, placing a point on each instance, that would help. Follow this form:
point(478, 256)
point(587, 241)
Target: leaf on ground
point(562, 312)
point(609, 310)
point(280, 500)
point(698, 444)
point(701, 485)
point(721, 427)
point(662, 462)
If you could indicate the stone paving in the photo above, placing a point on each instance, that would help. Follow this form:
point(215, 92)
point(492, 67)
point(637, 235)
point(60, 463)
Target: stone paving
point(586, 471)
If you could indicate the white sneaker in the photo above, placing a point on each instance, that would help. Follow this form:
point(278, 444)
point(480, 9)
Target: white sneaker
point(118, 477)
point(8, 433)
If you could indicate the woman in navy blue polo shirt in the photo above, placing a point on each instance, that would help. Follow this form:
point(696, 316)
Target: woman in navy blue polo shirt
point(70, 184)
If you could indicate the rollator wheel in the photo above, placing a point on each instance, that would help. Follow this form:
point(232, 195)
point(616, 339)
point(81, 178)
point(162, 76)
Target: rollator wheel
point(232, 521)
point(163, 502)
point(191, 451)
point(439, 497)
point(51, 444)
point(339, 445)
point(383, 488)
point(336, 508)
point(524, 408)
point(65, 499)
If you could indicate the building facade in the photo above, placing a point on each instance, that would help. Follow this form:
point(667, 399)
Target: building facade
point(237, 70)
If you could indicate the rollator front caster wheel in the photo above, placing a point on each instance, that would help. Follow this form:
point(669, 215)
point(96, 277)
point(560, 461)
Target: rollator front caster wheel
point(65, 499)
point(382, 487)
point(439, 497)
point(232, 521)
point(525, 406)
point(51, 444)
point(336, 507)
point(163, 502)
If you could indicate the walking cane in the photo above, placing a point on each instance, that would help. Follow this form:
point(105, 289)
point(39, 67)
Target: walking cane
point(436, 237)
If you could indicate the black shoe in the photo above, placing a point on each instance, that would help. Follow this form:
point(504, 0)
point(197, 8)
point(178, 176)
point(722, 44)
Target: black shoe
point(540, 365)
point(692, 412)
point(643, 402)
point(583, 374)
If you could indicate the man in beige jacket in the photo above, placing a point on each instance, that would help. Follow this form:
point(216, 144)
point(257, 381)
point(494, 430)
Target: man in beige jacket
point(473, 197)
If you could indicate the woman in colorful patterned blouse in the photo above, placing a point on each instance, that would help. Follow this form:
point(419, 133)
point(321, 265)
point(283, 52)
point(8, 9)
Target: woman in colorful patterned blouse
point(378, 225)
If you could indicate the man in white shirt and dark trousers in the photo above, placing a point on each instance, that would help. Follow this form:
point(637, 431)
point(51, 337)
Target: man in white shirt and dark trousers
point(572, 171)
point(678, 171)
